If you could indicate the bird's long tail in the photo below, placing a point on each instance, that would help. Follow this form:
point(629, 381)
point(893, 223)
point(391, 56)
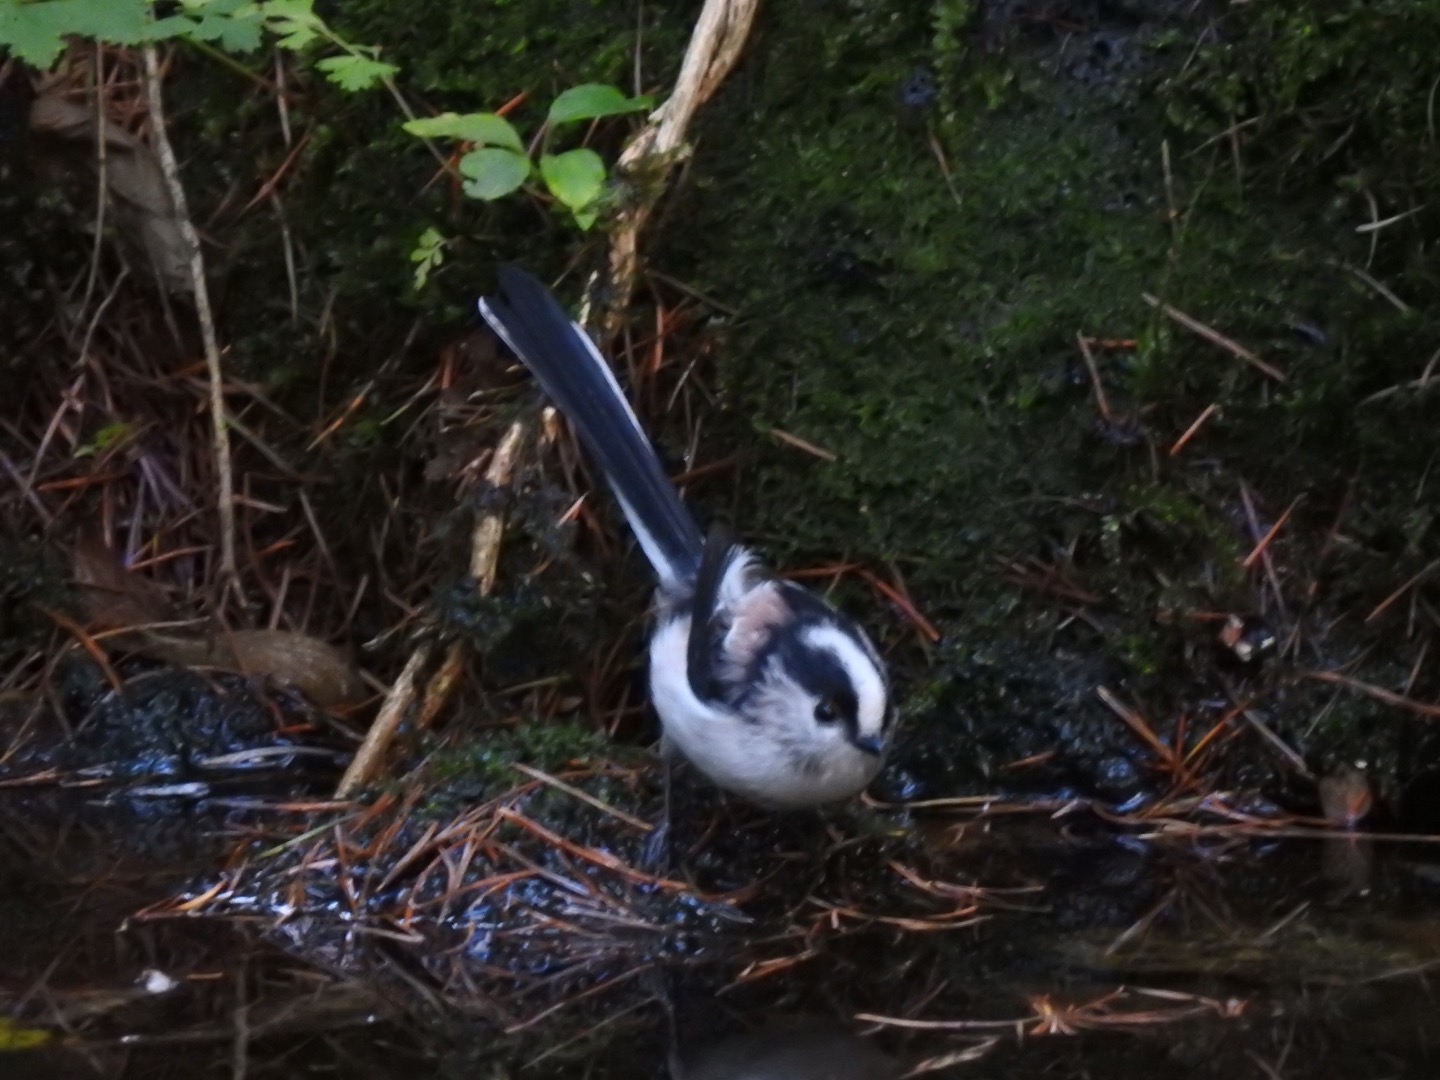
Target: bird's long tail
point(572, 372)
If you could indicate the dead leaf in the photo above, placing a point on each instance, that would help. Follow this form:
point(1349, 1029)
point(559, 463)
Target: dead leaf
point(117, 600)
point(140, 200)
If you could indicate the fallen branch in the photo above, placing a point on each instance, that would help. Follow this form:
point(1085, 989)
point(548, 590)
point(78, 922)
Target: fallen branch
point(484, 558)
point(714, 49)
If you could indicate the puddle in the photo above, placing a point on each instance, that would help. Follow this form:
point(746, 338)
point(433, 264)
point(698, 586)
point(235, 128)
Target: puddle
point(1020, 946)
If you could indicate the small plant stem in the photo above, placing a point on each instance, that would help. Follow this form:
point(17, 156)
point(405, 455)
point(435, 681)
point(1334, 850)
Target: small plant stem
point(225, 479)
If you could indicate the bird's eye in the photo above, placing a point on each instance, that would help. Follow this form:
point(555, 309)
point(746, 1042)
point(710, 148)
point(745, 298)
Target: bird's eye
point(825, 711)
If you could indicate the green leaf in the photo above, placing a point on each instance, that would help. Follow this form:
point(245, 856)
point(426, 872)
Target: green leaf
point(298, 11)
point(483, 129)
point(29, 34)
point(233, 34)
point(294, 22)
point(200, 9)
point(292, 35)
point(356, 72)
point(593, 100)
point(36, 31)
point(15, 1037)
point(107, 437)
point(575, 177)
point(224, 22)
point(427, 256)
point(491, 173)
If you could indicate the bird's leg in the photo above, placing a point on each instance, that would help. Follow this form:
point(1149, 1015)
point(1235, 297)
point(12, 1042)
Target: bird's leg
point(657, 848)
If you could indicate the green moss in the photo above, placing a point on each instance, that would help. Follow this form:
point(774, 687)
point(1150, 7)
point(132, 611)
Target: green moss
point(1335, 89)
point(549, 747)
point(917, 338)
point(926, 336)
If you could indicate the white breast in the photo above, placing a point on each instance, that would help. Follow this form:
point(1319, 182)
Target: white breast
point(737, 755)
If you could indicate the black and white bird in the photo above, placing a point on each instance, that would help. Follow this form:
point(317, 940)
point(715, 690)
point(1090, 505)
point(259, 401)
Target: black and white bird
point(763, 686)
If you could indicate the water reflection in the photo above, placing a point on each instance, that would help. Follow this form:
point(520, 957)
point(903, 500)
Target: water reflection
point(1091, 953)
point(814, 1050)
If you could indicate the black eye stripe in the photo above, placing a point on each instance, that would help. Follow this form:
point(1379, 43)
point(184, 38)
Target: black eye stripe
point(817, 670)
point(820, 672)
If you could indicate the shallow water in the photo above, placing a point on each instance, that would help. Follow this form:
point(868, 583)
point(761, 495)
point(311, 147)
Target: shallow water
point(1090, 953)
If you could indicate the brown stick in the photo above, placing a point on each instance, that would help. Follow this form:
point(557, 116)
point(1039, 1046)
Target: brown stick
point(714, 49)
point(1210, 334)
point(1379, 693)
point(368, 759)
point(484, 558)
point(485, 540)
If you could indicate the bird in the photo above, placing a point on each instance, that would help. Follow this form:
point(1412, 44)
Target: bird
point(763, 686)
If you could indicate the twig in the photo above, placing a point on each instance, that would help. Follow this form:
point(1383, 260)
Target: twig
point(1191, 431)
point(1264, 544)
point(1137, 724)
point(1381, 607)
point(1278, 744)
point(1101, 401)
point(1172, 212)
point(714, 49)
point(88, 643)
point(1376, 226)
point(485, 540)
point(366, 762)
point(945, 172)
point(583, 796)
point(1424, 382)
point(927, 629)
point(1254, 522)
point(1416, 667)
point(1214, 336)
point(951, 1058)
point(608, 984)
point(1379, 693)
point(1374, 283)
point(484, 559)
point(102, 167)
point(442, 684)
point(225, 500)
point(804, 444)
point(595, 856)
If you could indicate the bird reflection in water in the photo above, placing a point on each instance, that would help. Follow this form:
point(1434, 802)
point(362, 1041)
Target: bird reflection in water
point(806, 1051)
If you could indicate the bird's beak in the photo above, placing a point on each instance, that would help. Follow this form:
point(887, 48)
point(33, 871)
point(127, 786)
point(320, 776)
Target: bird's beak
point(869, 744)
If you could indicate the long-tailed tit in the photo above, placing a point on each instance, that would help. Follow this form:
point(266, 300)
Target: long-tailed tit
point(763, 686)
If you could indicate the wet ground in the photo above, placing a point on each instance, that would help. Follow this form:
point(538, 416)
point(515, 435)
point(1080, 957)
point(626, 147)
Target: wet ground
point(1017, 945)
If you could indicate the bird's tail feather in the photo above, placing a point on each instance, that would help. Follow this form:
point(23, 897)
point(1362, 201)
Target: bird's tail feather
point(572, 372)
